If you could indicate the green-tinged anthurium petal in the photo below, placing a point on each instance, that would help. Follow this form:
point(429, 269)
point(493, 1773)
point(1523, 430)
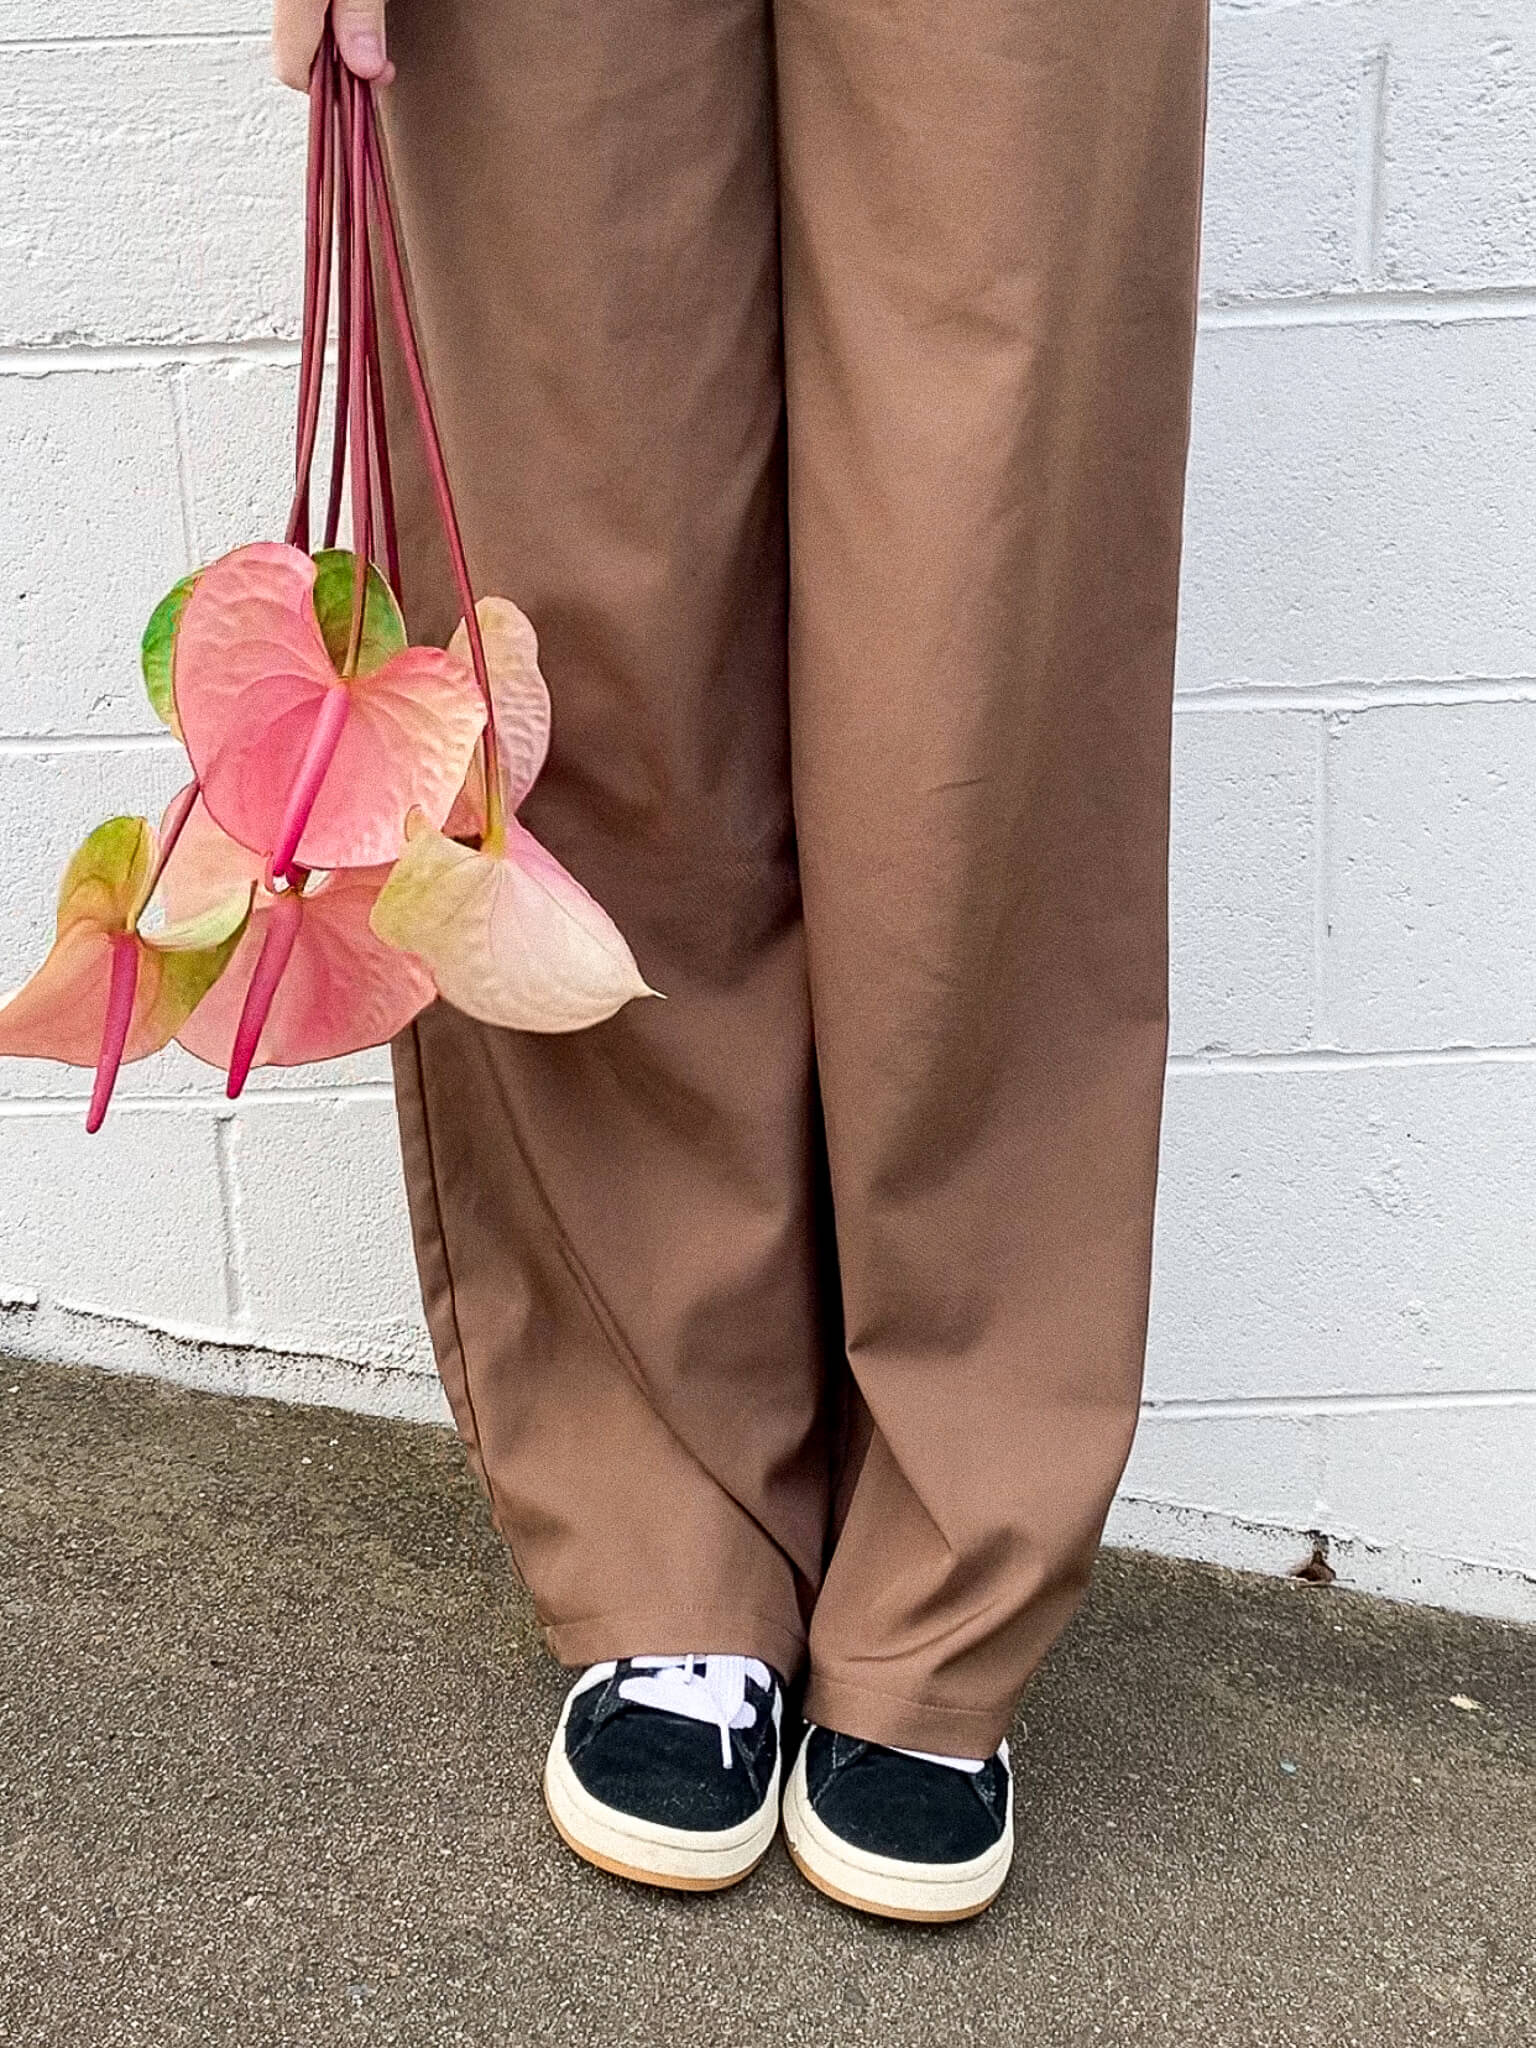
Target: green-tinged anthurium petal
point(182, 963)
point(61, 1013)
point(105, 881)
point(510, 938)
point(383, 627)
point(210, 927)
point(156, 650)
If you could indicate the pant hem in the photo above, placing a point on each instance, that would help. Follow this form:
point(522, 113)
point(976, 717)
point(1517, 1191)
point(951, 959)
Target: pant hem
point(677, 1631)
point(899, 1723)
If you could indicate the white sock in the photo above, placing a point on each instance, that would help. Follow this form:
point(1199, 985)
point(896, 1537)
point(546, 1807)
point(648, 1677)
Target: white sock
point(955, 1763)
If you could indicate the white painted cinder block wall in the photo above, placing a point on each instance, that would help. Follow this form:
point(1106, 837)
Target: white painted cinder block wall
point(1344, 1332)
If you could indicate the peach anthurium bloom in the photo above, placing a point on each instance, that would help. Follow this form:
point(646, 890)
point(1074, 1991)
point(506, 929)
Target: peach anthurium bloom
point(340, 988)
point(109, 992)
point(309, 749)
point(510, 936)
point(521, 698)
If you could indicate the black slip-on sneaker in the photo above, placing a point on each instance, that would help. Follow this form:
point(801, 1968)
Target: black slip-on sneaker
point(908, 1837)
point(666, 1769)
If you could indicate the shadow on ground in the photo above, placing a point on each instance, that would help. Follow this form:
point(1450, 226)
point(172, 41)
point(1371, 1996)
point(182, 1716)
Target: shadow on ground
point(272, 1710)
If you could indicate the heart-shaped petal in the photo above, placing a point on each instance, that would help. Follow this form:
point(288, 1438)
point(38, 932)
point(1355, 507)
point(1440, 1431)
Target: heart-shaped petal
point(253, 677)
point(341, 989)
point(61, 1013)
point(521, 699)
point(207, 865)
point(513, 940)
point(383, 627)
point(107, 876)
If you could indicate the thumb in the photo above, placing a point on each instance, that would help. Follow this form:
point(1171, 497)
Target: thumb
point(359, 26)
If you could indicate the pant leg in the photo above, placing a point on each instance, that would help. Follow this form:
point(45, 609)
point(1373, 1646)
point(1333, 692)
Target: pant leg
point(990, 224)
point(614, 1228)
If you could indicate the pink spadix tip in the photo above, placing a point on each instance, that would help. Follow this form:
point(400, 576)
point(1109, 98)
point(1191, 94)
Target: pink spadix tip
point(283, 922)
point(122, 989)
point(324, 738)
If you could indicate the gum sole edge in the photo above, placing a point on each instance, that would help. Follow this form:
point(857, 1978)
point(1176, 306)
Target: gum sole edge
point(908, 1913)
point(662, 1880)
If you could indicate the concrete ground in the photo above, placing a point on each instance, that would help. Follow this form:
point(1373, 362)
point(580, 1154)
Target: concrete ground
point(272, 1710)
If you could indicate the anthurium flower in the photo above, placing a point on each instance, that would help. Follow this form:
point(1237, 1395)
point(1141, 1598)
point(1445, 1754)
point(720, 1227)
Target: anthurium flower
point(510, 936)
point(337, 987)
point(109, 992)
point(312, 757)
point(521, 699)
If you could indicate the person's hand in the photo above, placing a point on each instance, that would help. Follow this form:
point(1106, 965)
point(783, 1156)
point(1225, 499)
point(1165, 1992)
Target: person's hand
point(359, 26)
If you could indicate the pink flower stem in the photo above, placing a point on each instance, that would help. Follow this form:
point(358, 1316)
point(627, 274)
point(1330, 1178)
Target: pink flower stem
point(355, 99)
point(343, 226)
point(121, 991)
point(283, 922)
point(380, 424)
point(324, 738)
point(175, 819)
point(394, 271)
point(311, 268)
point(317, 297)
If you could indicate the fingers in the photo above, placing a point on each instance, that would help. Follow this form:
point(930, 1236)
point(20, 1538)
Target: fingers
point(359, 24)
point(296, 26)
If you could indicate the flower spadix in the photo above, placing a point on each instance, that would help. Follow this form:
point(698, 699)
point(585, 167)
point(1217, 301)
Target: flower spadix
point(340, 988)
point(510, 936)
point(313, 731)
point(109, 992)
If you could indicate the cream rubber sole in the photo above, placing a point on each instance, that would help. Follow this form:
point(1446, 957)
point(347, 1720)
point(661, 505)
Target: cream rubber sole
point(680, 1859)
point(883, 1884)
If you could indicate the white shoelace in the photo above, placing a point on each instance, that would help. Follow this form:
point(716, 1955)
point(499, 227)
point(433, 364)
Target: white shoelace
point(711, 1689)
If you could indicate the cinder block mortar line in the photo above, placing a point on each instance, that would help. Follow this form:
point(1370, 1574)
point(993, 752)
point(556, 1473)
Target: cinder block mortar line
point(129, 39)
point(47, 358)
point(1370, 166)
point(1237, 1406)
point(1331, 1059)
point(30, 746)
point(237, 1293)
point(192, 555)
point(1353, 699)
point(1238, 10)
point(199, 1104)
point(1317, 1007)
point(1354, 308)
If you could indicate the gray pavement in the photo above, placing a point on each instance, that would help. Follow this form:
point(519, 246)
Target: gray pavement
point(272, 1708)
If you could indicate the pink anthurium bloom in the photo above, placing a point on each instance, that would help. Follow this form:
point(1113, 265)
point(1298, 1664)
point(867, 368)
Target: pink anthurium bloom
point(336, 988)
point(510, 936)
point(109, 992)
point(314, 759)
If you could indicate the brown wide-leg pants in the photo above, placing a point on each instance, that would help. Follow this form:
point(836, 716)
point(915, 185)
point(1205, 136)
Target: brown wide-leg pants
point(816, 375)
